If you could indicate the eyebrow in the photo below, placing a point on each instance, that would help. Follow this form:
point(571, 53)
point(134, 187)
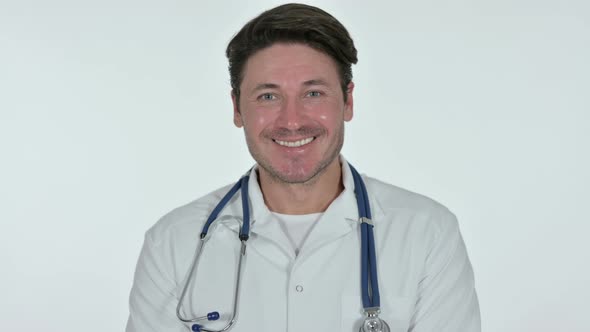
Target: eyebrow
point(263, 86)
point(315, 82)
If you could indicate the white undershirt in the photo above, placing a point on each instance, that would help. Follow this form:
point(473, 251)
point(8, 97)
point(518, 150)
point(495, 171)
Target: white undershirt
point(297, 227)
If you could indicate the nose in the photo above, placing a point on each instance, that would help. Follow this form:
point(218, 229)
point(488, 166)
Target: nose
point(292, 114)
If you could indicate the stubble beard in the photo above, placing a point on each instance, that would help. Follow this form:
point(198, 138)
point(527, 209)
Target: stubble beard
point(314, 175)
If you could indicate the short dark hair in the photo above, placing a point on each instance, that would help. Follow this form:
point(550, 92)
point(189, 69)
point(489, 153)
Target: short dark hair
point(292, 23)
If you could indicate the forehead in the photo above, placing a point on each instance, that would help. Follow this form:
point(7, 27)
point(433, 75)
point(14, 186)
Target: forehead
point(283, 63)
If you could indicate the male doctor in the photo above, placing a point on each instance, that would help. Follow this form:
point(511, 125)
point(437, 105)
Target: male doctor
point(292, 91)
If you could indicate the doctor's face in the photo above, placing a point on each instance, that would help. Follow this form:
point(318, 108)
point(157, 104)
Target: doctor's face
point(292, 108)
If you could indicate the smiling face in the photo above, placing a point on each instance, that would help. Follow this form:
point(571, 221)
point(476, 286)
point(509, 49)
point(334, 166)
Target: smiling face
point(292, 108)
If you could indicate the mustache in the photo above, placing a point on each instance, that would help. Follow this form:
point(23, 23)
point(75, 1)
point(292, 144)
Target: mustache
point(282, 133)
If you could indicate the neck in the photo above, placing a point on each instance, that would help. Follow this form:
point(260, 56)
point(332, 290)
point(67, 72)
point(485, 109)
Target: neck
point(312, 196)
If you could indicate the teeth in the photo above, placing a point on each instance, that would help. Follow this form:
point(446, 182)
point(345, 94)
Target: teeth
point(296, 143)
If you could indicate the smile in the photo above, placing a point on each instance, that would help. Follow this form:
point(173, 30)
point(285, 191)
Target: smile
point(295, 144)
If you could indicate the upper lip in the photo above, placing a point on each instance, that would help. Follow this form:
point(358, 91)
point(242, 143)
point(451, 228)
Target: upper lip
point(291, 139)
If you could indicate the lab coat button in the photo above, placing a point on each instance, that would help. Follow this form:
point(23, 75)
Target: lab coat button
point(299, 288)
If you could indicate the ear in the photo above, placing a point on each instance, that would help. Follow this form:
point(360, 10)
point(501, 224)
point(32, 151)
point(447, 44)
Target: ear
point(237, 115)
point(348, 107)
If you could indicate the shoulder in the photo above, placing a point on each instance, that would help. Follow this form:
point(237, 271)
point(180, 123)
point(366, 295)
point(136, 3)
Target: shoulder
point(418, 209)
point(186, 218)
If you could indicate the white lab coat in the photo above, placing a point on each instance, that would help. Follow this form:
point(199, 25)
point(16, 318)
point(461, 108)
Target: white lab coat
point(425, 277)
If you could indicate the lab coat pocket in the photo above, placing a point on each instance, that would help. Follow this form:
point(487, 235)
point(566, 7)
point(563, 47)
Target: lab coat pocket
point(395, 311)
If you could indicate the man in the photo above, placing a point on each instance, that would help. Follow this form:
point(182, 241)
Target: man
point(292, 91)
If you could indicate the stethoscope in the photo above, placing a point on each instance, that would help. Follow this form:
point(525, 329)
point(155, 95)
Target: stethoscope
point(369, 284)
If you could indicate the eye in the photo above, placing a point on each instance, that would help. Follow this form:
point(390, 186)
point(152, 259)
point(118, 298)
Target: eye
point(314, 93)
point(267, 97)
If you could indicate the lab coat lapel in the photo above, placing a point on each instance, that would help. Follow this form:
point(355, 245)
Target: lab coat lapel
point(339, 219)
point(267, 228)
point(266, 235)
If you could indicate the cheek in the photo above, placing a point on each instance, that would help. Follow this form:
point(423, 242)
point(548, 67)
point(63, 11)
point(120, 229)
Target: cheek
point(326, 110)
point(328, 117)
point(255, 120)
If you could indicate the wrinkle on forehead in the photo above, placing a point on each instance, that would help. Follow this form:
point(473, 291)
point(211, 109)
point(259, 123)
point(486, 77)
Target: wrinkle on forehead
point(286, 65)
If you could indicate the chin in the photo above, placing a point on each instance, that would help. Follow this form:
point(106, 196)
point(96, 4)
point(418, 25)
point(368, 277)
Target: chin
point(295, 174)
point(290, 175)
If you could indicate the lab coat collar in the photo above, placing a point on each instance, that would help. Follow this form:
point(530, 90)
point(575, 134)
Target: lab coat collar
point(340, 217)
point(261, 213)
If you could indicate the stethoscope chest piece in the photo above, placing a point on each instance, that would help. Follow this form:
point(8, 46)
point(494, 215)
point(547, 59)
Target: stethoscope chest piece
point(373, 323)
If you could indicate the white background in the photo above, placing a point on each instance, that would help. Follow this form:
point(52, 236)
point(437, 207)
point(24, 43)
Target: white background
point(114, 112)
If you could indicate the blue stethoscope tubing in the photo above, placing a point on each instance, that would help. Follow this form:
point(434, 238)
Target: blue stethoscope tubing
point(368, 256)
point(369, 282)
